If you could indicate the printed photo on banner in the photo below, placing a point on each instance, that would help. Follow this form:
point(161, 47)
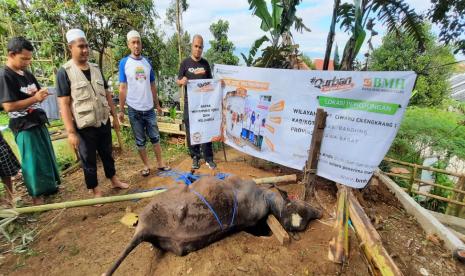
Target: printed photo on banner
point(245, 117)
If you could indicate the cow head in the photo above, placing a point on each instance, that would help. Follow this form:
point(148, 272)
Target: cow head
point(296, 214)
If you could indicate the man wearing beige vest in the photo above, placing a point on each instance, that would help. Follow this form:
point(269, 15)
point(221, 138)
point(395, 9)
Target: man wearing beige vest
point(85, 106)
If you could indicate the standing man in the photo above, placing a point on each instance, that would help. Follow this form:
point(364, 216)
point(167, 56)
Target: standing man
point(195, 67)
point(85, 105)
point(20, 96)
point(137, 88)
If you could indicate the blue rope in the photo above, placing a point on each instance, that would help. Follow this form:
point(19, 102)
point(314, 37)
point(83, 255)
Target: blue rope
point(234, 208)
point(213, 210)
point(209, 207)
point(187, 177)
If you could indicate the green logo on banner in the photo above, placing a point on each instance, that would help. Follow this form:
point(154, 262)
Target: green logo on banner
point(375, 107)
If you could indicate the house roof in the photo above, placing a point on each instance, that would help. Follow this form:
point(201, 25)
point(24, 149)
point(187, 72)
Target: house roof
point(457, 85)
point(319, 64)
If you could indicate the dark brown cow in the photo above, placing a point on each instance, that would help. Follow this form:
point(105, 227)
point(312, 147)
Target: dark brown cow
point(186, 218)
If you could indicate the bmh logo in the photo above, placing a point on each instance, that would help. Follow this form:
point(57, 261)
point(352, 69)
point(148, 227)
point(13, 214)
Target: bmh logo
point(335, 84)
point(395, 85)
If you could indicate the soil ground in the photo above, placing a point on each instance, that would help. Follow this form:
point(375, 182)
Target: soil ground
point(87, 240)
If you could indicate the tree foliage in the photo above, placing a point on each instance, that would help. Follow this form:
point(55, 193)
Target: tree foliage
point(429, 128)
point(357, 17)
point(449, 15)
point(399, 52)
point(221, 49)
point(46, 21)
point(277, 23)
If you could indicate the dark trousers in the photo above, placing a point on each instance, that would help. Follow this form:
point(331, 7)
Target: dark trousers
point(93, 140)
point(194, 150)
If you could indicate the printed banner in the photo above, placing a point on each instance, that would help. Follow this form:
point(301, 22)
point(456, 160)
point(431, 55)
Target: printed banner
point(204, 98)
point(270, 113)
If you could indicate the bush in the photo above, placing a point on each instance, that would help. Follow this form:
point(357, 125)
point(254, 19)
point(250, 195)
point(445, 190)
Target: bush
point(441, 179)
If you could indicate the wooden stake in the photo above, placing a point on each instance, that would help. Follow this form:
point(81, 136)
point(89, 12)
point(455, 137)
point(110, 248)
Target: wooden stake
point(120, 142)
point(314, 152)
point(379, 259)
point(278, 230)
point(339, 244)
point(224, 152)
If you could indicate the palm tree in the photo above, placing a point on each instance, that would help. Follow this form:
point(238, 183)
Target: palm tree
point(396, 14)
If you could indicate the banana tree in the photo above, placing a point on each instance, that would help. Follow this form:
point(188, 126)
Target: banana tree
point(396, 14)
point(277, 23)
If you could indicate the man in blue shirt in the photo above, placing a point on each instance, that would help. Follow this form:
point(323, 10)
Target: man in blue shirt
point(138, 90)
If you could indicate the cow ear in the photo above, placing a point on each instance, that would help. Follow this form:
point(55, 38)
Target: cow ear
point(283, 194)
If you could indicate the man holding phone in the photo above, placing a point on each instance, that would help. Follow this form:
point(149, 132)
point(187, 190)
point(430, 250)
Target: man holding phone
point(20, 96)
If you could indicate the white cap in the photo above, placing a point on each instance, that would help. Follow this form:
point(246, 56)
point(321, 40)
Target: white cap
point(74, 34)
point(132, 34)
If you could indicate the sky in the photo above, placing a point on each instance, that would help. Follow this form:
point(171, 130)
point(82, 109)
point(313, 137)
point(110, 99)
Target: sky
point(244, 28)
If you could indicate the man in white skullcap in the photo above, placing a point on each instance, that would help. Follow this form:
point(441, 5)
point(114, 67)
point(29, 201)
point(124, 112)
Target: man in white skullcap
point(85, 106)
point(139, 91)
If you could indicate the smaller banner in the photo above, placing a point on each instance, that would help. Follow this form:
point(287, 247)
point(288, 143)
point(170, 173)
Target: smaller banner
point(205, 116)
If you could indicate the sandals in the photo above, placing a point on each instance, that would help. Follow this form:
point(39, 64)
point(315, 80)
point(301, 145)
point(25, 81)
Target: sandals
point(145, 172)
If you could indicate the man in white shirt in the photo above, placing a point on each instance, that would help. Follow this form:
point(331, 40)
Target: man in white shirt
point(138, 90)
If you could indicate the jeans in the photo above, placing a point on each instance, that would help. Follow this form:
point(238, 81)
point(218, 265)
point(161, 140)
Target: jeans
point(143, 124)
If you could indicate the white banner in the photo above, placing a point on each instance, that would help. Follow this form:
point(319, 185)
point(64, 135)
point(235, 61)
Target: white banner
point(204, 98)
point(269, 113)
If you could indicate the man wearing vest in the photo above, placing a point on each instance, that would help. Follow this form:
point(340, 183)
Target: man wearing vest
point(85, 105)
point(137, 89)
point(195, 67)
point(20, 96)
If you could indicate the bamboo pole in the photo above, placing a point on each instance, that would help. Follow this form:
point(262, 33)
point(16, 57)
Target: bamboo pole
point(424, 167)
point(110, 199)
point(78, 203)
point(412, 178)
point(459, 197)
point(440, 198)
point(120, 141)
point(276, 179)
point(429, 183)
point(339, 244)
point(397, 175)
point(74, 166)
point(379, 259)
